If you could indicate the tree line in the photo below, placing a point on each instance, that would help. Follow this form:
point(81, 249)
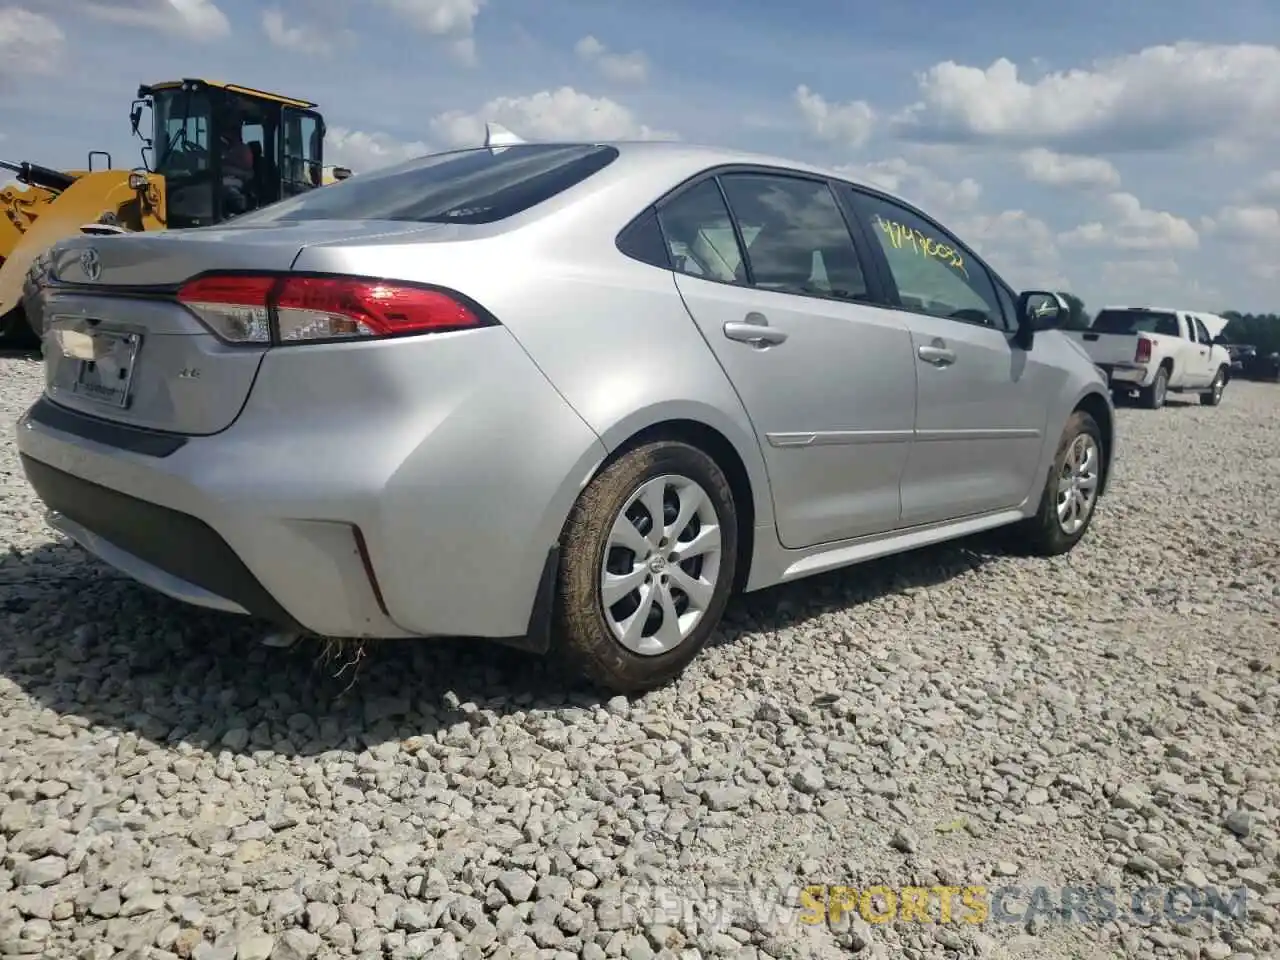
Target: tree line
point(1262, 330)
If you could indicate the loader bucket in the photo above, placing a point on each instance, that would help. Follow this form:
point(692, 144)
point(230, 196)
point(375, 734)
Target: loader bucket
point(63, 215)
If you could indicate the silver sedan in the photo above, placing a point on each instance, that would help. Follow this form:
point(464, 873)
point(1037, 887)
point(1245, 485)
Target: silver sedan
point(568, 397)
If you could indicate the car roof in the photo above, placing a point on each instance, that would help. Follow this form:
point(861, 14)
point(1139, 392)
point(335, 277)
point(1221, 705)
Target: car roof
point(1156, 308)
point(698, 156)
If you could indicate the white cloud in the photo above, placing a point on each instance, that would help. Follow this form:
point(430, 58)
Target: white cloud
point(846, 123)
point(1269, 185)
point(1022, 248)
point(1130, 226)
point(362, 152)
point(1161, 97)
point(1127, 272)
point(30, 43)
point(443, 18)
point(563, 114)
point(1066, 170)
point(919, 185)
point(1245, 224)
point(302, 38)
point(1163, 280)
point(196, 19)
point(630, 67)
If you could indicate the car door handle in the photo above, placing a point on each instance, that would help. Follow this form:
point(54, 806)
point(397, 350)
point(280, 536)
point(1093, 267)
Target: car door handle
point(755, 330)
point(937, 354)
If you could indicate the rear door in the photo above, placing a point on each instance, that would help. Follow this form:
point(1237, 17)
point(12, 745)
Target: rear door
point(301, 151)
point(827, 380)
point(981, 401)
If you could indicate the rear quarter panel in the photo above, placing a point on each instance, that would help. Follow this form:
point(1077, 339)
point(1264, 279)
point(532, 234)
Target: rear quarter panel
point(609, 333)
point(617, 342)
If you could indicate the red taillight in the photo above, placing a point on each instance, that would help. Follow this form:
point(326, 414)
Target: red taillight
point(234, 307)
point(1143, 353)
point(273, 308)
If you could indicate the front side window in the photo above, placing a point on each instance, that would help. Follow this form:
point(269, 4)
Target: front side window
point(1008, 306)
point(933, 273)
point(183, 121)
point(465, 186)
point(699, 234)
point(796, 237)
point(300, 152)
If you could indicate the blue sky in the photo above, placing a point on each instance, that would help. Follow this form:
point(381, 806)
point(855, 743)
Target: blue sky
point(1126, 152)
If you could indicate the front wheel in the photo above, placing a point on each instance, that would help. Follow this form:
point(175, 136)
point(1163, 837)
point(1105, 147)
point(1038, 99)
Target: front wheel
point(1071, 492)
point(15, 332)
point(1214, 396)
point(647, 564)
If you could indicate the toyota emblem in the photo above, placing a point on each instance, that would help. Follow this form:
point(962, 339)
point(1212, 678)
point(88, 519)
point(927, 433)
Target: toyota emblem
point(91, 263)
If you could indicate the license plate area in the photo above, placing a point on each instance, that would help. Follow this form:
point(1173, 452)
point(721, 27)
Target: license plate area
point(104, 364)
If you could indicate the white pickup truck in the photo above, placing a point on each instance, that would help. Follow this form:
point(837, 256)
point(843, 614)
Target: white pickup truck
point(1154, 351)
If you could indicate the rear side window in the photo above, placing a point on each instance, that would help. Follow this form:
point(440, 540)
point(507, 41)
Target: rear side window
point(699, 234)
point(1136, 321)
point(642, 240)
point(466, 186)
point(797, 239)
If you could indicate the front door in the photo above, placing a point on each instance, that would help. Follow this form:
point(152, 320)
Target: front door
point(301, 151)
point(981, 402)
point(828, 382)
point(1200, 369)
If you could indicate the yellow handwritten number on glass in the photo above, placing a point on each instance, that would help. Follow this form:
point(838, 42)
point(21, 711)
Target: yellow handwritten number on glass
point(901, 236)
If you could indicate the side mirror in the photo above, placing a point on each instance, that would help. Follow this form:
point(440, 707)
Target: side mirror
point(1038, 310)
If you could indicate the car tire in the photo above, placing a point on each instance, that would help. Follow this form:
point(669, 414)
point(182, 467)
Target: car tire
point(1214, 396)
point(1047, 534)
point(610, 524)
point(1153, 397)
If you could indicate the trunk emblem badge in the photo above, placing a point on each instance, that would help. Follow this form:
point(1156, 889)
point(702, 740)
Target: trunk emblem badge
point(189, 373)
point(91, 263)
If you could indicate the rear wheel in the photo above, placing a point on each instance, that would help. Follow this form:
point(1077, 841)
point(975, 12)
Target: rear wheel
point(1214, 396)
point(1153, 397)
point(1071, 492)
point(647, 565)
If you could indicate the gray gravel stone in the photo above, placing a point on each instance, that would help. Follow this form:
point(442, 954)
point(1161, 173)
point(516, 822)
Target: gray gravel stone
point(961, 715)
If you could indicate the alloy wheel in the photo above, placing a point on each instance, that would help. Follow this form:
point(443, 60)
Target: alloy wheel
point(1078, 483)
point(661, 564)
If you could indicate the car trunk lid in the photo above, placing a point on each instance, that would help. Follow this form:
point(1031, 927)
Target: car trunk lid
point(118, 345)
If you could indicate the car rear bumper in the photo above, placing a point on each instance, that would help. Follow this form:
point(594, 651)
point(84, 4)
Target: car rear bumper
point(1127, 375)
point(417, 512)
point(172, 552)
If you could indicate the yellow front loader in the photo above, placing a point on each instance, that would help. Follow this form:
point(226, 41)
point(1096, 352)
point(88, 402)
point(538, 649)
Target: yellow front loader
point(214, 151)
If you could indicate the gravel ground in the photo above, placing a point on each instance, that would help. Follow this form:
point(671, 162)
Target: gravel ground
point(170, 787)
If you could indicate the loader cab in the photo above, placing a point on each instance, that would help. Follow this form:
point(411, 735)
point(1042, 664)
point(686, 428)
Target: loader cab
point(225, 149)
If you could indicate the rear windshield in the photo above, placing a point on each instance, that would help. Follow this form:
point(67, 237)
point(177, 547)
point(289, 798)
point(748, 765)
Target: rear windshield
point(465, 186)
point(1136, 321)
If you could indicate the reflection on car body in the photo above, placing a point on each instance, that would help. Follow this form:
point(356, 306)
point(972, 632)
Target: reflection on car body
point(562, 396)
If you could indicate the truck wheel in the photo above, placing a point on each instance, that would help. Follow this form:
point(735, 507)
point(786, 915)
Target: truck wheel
point(16, 333)
point(1070, 494)
point(647, 564)
point(1153, 397)
point(1214, 396)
